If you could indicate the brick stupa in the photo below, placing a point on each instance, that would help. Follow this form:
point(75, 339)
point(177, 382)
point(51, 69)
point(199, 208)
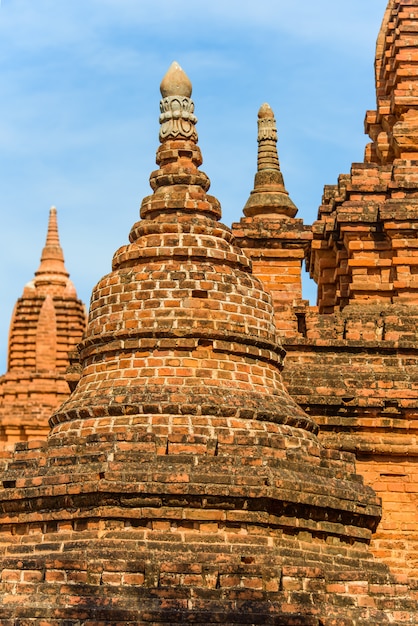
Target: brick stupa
point(180, 483)
point(47, 323)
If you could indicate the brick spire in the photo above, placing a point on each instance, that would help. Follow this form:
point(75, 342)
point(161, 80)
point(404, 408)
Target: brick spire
point(270, 235)
point(52, 273)
point(393, 126)
point(269, 196)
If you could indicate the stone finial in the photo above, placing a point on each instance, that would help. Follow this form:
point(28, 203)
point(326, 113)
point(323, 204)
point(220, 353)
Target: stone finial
point(266, 123)
point(178, 185)
point(176, 82)
point(177, 117)
point(269, 196)
point(267, 139)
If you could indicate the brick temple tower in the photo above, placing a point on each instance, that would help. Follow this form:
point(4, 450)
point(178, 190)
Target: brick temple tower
point(354, 366)
point(47, 323)
point(180, 483)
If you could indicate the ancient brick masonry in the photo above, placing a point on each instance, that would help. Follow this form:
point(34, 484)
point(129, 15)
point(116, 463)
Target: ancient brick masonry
point(47, 323)
point(180, 483)
point(353, 365)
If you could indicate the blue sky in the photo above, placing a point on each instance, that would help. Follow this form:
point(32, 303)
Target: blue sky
point(79, 112)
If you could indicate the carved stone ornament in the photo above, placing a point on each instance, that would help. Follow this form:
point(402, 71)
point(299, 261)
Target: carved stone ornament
point(177, 118)
point(266, 124)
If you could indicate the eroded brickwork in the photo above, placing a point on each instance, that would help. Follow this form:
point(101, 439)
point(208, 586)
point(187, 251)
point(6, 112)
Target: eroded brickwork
point(47, 323)
point(355, 373)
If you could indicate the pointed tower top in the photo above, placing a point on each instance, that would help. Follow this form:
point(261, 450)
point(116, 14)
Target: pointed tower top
point(52, 237)
point(269, 197)
point(266, 112)
point(179, 241)
point(176, 82)
point(47, 323)
point(179, 186)
point(52, 271)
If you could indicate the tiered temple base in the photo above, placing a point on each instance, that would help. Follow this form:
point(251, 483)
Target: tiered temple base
point(188, 519)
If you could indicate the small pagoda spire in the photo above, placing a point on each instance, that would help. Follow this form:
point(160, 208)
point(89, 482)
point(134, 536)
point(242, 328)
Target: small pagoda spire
point(179, 186)
point(269, 196)
point(52, 269)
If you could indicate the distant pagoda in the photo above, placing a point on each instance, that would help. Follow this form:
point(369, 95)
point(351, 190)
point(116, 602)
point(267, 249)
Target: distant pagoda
point(47, 323)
